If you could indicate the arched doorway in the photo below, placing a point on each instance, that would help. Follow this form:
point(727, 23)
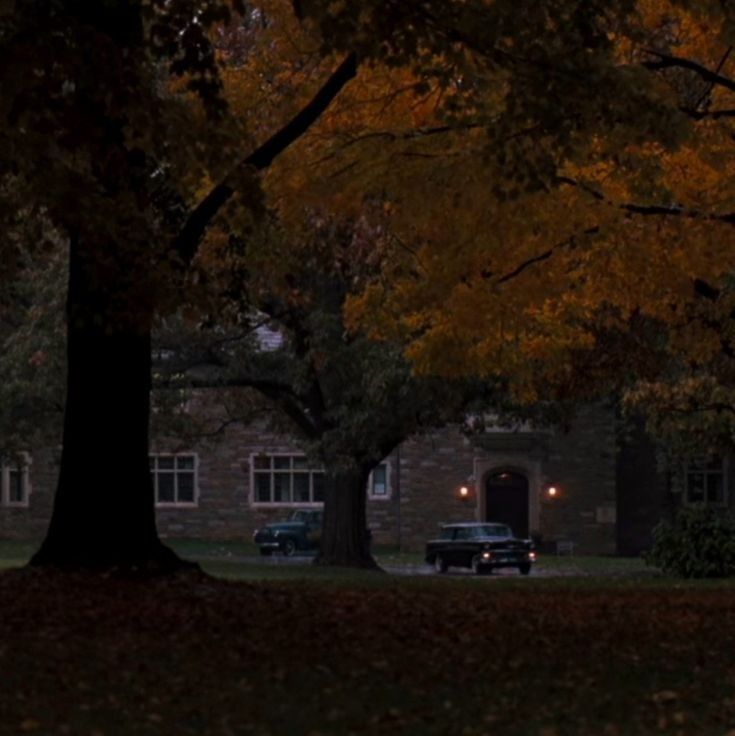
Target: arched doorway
point(506, 500)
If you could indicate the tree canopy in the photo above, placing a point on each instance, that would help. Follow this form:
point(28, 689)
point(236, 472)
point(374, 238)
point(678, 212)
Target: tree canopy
point(548, 176)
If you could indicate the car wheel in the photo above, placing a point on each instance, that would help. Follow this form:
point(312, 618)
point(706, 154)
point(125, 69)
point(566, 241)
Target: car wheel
point(265, 552)
point(440, 564)
point(289, 548)
point(524, 569)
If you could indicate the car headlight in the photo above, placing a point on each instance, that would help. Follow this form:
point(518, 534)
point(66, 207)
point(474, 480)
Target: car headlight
point(531, 556)
point(487, 555)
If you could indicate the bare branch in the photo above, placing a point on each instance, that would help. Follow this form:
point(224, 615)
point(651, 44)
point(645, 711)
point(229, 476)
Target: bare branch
point(642, 209)
point(707, 114)
point(568, 243)
point(187, 241)
point(667, 61)
point(708, 91)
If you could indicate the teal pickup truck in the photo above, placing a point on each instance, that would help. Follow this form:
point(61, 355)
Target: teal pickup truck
point(301, 533)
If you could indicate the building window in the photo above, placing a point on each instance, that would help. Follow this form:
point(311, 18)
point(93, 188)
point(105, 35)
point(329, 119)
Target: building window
point(14, 481)
point(285, 480)
point(174, 479)
point(706, 482)
point(379, 482)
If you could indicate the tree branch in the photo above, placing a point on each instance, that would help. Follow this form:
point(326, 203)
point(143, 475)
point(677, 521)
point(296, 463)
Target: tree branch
point(282, 394)
point(187, 241)
point(667, 61)
point(707, 114)
point(642, 209)
point(703, 97)
point(518, 270)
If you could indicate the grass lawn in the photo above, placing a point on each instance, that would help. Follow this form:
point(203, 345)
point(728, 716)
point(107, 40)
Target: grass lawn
point(614, 652)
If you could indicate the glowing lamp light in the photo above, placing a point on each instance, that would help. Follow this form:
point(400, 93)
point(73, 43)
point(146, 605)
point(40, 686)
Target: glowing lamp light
point(552, 491)
point(464, 492)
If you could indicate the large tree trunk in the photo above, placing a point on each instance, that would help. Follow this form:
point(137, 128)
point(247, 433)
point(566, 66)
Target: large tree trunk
point(345, 540)
point(104, 507)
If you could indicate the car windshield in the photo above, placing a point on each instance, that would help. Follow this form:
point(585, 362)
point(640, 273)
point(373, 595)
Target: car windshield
point(492, 530)
point(306, 516)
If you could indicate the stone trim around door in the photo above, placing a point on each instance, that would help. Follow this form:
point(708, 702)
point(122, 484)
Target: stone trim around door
point(511, 463)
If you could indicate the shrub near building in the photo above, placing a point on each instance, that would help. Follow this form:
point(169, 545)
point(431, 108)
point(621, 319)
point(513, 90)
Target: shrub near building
point(698, 543)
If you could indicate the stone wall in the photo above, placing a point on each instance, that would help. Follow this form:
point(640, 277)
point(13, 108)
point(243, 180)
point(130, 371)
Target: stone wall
point(425, 476)
point(31, 521)
point(581, 465)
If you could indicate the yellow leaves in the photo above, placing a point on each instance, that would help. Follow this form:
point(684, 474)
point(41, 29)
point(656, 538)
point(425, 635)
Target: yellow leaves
point(700, 178)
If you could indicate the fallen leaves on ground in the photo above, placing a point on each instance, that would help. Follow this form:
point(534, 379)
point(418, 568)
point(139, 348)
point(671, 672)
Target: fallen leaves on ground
point(191, 654)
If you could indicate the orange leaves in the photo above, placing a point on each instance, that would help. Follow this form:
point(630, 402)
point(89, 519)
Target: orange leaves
point(506, 232)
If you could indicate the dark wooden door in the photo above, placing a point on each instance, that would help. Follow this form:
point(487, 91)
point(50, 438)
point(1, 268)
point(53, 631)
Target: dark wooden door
point(506, 501)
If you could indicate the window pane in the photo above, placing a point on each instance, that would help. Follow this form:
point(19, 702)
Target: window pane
point(281, 487)
point(697, 464)
point(165, 462)
point(185, 462)
point(166, 488)
point(15, 492)
point(301, 487)
point(380, 480)
point(185, 482)
point(695, 487)
point(282, 463)
point(151, 461)
point(263, 487)
point(261, 462)
point(300, 463)
point(317, 480)
point(715, 488)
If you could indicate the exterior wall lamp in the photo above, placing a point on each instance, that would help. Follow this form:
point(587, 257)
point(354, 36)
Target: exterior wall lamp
point(552, 491)
point(464, 493)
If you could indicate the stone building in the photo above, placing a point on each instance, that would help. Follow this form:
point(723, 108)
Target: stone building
point(583, 486)
point(558, 487)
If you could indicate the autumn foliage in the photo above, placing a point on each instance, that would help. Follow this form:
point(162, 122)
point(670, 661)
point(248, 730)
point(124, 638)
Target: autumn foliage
point(552, 187)
point(552, 193)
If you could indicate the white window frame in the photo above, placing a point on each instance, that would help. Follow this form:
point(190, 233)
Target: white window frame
point(6, 468)
point(724, 471)
point(272, 471)
point(155, 471)
point(388, 486)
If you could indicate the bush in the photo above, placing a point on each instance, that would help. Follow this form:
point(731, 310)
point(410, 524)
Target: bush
point(698, 543)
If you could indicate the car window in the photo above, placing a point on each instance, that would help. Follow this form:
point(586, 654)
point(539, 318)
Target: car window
point(447, 533)
point(306, 516)
point(496, 530)
point(464, 533)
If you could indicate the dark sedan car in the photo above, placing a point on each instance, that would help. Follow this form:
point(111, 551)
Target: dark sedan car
point(302, 532)
point(480, 546)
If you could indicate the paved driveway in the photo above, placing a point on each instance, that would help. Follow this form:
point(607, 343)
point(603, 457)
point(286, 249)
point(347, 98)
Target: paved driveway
point(561, 568)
